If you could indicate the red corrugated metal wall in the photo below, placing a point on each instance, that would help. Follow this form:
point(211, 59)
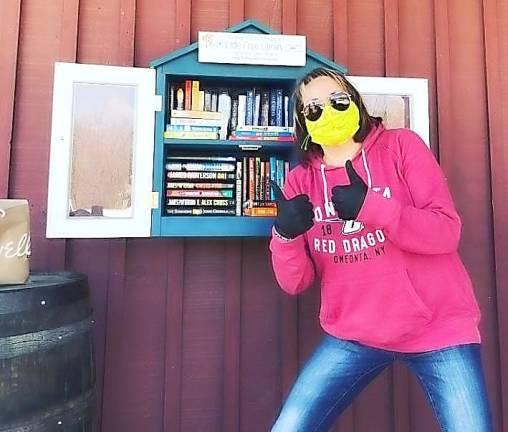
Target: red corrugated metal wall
point(194, 335)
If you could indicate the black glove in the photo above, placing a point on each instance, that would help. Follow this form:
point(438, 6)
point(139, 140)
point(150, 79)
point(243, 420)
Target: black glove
point(348, 200)
point(294, 216)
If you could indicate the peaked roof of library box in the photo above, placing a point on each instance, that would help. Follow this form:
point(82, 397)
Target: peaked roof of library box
point(314, 59)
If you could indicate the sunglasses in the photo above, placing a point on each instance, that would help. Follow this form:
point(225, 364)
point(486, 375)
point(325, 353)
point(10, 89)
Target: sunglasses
point(338, 100)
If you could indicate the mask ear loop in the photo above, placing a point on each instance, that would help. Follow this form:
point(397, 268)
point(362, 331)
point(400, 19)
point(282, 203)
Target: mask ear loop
point(305, 143)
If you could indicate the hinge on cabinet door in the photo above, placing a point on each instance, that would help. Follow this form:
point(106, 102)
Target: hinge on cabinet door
point(157, 103)
point(155, 200)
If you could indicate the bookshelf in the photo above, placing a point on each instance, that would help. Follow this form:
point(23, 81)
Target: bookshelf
point(174, 71)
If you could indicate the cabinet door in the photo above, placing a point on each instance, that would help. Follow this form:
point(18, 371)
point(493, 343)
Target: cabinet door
point(101, 160)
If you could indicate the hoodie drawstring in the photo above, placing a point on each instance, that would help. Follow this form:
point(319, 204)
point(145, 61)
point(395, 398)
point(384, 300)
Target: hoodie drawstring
point(328, 204)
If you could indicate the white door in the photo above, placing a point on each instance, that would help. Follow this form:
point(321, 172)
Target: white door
point(101, 160)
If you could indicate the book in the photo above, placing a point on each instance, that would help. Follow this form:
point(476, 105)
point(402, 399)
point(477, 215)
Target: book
point(201, 100)
point(200, 175)
point(257, 178)
point(245, 164)
point(249, 107)
point(273, 108)
point(200, 193)
point(261, 138)
point(257, 107)
point(279, 102)
point(191, 128)
point(190, 135)
point(195, 114)
point(262, 181)
point(261, 211)
point(238, 189)
point(214, 99)
point(224, 107)
point(208, 101)
point(251, 195)
point(188, 94)
point(200, 202)
point(195, 122)
point(280, 173)
point(201, 211)
point(259, 128)
point(262, 133)
point(188, 186)
point(267, 181)
point(171, 98)
point(286, 112)
point(234, 113)
point(273, 175)
point(264, 109)
point(195, 95)
point(201, 166)
point(205, 158)
point(242, 101)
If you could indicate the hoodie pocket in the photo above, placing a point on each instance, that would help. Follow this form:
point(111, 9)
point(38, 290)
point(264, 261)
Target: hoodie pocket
point(382, 310)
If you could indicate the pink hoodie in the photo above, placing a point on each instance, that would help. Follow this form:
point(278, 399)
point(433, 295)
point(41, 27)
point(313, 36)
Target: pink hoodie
point(393, 279)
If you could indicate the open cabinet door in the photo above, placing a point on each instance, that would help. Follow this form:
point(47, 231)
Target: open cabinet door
point(101, 160)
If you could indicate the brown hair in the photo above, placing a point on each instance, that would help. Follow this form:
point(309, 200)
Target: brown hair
point(303, 139)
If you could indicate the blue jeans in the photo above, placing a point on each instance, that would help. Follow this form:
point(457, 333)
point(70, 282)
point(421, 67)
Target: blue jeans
point(338, 370)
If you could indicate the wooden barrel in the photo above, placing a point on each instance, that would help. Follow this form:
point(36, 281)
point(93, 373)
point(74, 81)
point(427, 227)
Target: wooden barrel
point(47, 369)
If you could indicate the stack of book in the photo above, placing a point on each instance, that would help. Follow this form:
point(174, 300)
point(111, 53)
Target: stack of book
point(222, 186)
point(263, 133)
point(193, 112)
point(202, 185)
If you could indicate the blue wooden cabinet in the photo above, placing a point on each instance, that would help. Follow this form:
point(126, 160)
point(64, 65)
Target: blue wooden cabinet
point(183, 64)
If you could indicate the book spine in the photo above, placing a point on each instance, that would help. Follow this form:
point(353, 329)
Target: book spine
point(262, 138)
point(273, 175)
point(286, 110)
point(195, 95)
point(190, 186)
point(200, 175)
point(291, 108)
point(279, 107)
point(265, 108)
point(242, 100)
point(224, 107)
point(195, 122)
point(262, 181)
point(249, 108)
point(280, 173)
point(191, 128)
point(238, 188)
point(258, 178)
point(234, 113)
point(171, 98)
point(200, 193)
point(208, 115)
point(286, 170)
point(271, 129)
point(190, 135)
point(201, 100)
point(245, 164)
point(203, 158)
point(257, 107)
point(263, 203)
point(261, 211)
point(203, 166)
point(200, 202)
point(267, 181)
point(200, 211)
point(273, 108)
point(214, 101)
point(252, 185)
point(188, 94)
point(208, 101)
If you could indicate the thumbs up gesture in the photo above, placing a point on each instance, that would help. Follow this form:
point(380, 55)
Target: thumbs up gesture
point(294, 216)
point(348, 200)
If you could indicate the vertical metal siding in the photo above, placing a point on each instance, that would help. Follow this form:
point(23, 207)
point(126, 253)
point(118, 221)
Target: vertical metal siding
point(195, 334)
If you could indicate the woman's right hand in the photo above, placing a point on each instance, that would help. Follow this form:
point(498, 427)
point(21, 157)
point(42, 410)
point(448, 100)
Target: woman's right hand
point(294, 216)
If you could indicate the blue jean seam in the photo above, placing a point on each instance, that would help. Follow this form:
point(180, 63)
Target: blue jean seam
point(433, 404)
point(341, 397)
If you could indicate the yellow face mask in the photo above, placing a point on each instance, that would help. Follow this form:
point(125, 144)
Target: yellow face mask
point(334, 127)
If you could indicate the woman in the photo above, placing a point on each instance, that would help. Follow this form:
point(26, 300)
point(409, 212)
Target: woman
point(369, 213)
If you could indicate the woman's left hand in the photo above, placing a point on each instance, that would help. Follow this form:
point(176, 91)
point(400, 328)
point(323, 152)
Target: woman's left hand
point(348, 200)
